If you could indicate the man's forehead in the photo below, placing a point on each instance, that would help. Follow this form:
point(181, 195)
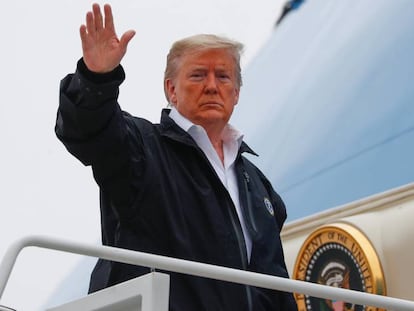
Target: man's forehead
point(220, 58)
point(222, 66)
point(207, 53)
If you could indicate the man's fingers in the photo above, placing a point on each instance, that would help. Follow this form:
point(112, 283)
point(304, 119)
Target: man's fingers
point(97, 16)
point(90, 24)
point(109, 20)
point(83, 34)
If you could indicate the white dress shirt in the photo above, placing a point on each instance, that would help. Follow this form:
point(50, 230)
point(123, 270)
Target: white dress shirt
point(232, 140)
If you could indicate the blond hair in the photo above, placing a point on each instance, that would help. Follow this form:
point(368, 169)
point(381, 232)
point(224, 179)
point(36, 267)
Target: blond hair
point(199, 43)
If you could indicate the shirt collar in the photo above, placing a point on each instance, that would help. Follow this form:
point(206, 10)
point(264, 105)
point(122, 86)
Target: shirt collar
point(230, 133)
point(181, 121)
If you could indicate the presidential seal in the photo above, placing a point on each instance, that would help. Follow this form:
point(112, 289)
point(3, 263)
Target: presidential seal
point(338, 255)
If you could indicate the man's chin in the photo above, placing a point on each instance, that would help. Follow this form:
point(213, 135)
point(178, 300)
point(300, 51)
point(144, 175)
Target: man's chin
point(211, 116)
point(212, 120)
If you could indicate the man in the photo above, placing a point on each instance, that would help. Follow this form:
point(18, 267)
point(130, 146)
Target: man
point(180, 188)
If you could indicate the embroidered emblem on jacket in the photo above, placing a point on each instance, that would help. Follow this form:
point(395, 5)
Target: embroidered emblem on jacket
point(269, 206)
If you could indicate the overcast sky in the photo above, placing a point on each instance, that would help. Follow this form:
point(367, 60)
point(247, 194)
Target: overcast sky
point(43, 189)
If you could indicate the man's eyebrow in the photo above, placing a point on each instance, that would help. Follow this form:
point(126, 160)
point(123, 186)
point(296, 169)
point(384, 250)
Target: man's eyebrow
point(198, 68)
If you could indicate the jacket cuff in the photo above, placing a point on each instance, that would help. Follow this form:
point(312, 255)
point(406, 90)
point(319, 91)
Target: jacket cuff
point(117, 74)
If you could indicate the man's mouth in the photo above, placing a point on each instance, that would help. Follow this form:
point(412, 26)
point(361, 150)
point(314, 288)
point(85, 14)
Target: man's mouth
point(212, 103)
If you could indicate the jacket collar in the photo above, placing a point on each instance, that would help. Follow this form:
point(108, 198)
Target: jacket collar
point(170, 129)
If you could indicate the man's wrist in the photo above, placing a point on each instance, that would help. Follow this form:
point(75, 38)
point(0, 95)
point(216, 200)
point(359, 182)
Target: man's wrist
point(100, 78)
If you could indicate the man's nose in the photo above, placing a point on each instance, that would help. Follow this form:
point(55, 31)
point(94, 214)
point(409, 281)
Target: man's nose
point(211, 83)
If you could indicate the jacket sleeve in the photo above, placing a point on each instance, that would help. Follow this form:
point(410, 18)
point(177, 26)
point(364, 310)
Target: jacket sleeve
point(93, 128)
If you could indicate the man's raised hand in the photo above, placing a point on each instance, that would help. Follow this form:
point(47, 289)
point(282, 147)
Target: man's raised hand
point(102, 49)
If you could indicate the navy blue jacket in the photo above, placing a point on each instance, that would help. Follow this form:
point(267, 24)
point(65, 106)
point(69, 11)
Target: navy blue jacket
point(159, 194)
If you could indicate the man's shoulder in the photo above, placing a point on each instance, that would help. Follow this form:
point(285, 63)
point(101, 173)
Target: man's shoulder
point(138, 122)
point(146, 128)
point(250, 166)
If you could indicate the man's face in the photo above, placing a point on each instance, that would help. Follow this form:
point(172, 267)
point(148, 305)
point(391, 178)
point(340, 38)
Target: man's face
point(205, 88)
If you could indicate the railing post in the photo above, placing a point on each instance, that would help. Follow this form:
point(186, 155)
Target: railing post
point(8, 262)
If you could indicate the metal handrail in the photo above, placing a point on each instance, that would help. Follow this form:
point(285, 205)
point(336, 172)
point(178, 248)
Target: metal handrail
point(198, 269)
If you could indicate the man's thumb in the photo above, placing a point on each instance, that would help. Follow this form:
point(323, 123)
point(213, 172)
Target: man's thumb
point(126, 37)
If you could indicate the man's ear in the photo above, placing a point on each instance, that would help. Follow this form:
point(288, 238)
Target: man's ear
point(170, 89)
point(237, 93)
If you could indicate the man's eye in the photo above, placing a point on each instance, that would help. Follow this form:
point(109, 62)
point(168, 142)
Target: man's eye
point(197, 75)
point(224, 77)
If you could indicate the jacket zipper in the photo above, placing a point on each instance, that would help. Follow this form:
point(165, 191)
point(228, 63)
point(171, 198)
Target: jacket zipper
point(242, 249)
point(249, 207)
point(237, 230)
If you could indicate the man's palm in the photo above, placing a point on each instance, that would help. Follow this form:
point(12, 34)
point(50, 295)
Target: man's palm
point(102, 50)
